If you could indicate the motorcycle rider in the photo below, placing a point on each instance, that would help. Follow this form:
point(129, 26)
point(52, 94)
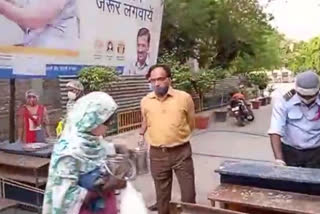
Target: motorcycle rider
point(238, 99)
point(235, 97)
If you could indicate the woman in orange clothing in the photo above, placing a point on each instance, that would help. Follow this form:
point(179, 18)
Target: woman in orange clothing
point(33, 120)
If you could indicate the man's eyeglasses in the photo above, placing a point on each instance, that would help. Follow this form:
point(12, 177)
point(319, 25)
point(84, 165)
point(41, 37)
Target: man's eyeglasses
point(160, 79)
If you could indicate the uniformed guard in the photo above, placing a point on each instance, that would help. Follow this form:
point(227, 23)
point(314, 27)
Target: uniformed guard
point(295, 124)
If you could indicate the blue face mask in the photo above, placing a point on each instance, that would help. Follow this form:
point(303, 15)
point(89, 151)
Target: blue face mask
point(161, 91)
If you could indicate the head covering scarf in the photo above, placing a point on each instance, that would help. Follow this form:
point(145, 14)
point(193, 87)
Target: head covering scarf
point(31, 92)
point(307, 83)
point(77, 152)
point(75, 84)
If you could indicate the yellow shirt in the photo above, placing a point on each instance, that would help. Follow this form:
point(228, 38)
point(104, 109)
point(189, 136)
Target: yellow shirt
point(169, 121)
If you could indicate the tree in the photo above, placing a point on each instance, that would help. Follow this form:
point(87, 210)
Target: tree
point(305, 55)
point(186, 26)
point(217, 33)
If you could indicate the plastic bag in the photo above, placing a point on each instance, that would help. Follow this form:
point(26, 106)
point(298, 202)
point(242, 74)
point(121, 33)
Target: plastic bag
point(108, 146)
point(132, 201)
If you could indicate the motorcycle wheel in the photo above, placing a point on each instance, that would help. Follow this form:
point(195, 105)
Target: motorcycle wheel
point(250, 117)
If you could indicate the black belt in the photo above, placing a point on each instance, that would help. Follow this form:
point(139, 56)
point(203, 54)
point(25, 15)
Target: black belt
point(166, 148)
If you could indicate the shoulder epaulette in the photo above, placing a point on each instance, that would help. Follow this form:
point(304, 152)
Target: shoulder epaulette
point(289, 94)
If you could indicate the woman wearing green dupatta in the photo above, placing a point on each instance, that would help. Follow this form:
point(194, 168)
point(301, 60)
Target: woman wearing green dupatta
point(79, 152)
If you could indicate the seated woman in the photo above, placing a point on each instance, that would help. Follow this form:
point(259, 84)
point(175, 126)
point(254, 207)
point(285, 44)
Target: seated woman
point(33, 120)
point(79, 153)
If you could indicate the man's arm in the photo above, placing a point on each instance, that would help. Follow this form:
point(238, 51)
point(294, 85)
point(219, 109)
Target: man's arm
point(33, 16)
point(144, 126)
point(276, 131)
point(276, 146)
point(190, 112)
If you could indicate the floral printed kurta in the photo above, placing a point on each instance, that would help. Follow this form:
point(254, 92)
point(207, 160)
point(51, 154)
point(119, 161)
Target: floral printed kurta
point(76, 152)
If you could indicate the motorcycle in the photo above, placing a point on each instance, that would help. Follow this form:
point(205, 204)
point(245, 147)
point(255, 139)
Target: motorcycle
point(241, 112)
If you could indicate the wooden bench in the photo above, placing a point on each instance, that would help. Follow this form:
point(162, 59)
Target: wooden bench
point(24, 177)
point(264, 201)
point(186, 208)
point(7, 204)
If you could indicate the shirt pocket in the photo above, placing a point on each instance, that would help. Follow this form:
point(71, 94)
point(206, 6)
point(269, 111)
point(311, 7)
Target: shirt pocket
point(175, 117)
point(295, 114)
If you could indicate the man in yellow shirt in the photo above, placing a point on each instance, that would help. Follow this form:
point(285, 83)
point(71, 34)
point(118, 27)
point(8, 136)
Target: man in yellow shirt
point(168, 121)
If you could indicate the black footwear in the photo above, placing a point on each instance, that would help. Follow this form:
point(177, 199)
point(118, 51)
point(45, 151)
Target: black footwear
point(153, 207)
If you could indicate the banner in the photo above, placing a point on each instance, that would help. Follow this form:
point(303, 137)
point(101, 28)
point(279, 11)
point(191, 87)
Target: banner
point(120, 33)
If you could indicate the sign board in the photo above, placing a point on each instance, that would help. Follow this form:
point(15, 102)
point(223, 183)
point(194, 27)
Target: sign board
point(120, 33)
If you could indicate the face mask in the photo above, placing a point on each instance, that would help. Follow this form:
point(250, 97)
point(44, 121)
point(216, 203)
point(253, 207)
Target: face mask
point(161, 91)
point(308, 101)
point(71, 95)
point(151, 87)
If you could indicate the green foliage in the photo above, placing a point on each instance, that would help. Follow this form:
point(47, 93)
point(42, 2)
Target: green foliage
point(183, 78)
point(97, 78)
point(305, 55)
point(231, 34)
point(260, 79)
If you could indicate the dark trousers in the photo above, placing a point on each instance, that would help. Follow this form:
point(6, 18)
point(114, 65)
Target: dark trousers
point(163, 162)
point(308, 158)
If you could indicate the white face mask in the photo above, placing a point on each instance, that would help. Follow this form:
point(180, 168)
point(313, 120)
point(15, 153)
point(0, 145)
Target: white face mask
point(308, 101)
point(71, 95)
point(151, 87)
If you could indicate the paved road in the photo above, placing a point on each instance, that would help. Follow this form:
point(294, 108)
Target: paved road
point(222, 141)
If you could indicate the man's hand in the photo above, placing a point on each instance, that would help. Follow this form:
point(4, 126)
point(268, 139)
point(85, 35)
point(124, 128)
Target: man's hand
point(279, 162)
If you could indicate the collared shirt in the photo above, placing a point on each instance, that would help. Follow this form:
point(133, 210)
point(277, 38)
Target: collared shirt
point(297, 124)
point(169, 121)
point(135, 68)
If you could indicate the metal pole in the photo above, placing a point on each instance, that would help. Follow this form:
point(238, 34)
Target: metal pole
point(12, 110)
